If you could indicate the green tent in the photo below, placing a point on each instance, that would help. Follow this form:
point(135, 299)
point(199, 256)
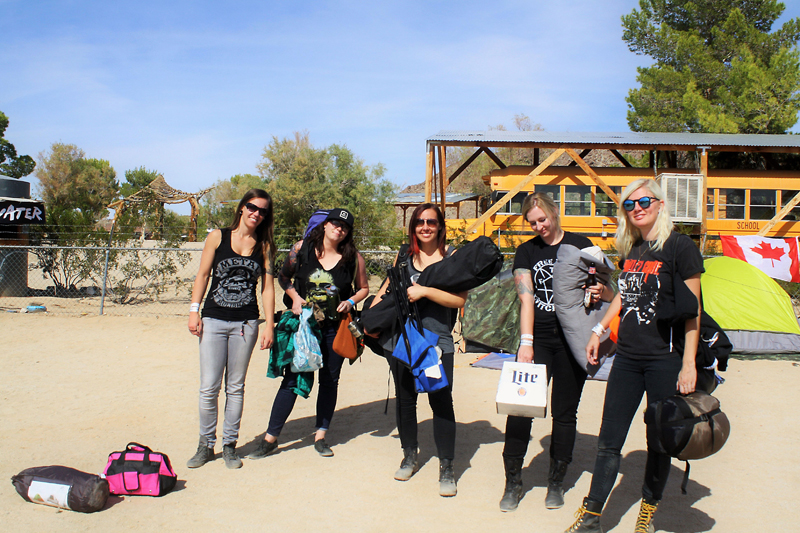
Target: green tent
point(750, 306)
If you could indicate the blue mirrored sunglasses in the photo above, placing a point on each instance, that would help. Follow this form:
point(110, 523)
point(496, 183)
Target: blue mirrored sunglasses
point(644, 203)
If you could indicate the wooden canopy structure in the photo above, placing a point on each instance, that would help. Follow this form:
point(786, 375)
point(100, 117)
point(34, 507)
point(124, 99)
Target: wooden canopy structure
point(578, 145)
point(160, 192)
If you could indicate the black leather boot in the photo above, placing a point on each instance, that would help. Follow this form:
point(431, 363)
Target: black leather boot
point(447, 478)
point(555, 484)
point(408, 466)
point(588, 518)
point(513, 491)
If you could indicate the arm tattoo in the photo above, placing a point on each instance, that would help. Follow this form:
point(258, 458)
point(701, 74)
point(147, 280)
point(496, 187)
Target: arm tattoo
point(288, 269)
point(523, 281)
point(270, 265)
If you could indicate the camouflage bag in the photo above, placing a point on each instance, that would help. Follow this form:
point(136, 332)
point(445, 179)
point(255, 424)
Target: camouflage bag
point(491, 315)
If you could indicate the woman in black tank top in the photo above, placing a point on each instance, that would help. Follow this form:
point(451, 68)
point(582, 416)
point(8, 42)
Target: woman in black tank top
point(427, 245)
point(324, 267)
point(234, 258)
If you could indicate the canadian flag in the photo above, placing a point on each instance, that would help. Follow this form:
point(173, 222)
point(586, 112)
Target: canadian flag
point(776, 257)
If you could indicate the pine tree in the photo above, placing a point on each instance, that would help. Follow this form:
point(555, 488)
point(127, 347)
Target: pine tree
point(719, 67)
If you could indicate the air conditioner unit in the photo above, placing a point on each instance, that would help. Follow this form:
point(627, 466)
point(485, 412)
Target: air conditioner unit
point(684, 193)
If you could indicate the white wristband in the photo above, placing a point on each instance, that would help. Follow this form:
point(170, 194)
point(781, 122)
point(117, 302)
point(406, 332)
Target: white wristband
point(528, 336)
point(526, 342)
point(598, 329)
point(194, 308)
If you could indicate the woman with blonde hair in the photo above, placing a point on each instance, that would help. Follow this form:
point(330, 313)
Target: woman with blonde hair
point(542, 341)
point(651, 255)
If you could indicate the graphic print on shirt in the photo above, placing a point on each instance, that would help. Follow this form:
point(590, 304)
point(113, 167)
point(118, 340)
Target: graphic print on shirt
point(542, 274)
point(237, 277)
point(639, 284)
point(318, 283)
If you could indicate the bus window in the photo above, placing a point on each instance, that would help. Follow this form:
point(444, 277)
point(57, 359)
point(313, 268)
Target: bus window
point(604, 206)
point(710, 204)
point(514, 207)
point(553, 190)
point(786, 197)
point(731, 203)
point(762, 204)
point(577, 200)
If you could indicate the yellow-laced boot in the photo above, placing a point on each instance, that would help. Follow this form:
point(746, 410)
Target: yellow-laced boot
point(644, 524)
point(588, 518)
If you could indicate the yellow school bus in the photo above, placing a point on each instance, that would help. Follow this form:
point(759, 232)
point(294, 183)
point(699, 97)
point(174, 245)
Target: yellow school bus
point(711, 202)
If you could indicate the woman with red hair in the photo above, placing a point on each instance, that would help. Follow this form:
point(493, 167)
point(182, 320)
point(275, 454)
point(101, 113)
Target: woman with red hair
point(438, 309)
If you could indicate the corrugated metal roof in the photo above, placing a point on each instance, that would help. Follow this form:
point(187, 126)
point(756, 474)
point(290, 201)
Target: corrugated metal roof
point(419, 198)
point(632, 140)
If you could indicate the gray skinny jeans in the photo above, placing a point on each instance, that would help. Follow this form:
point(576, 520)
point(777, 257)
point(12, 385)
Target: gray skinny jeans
point(225, 349)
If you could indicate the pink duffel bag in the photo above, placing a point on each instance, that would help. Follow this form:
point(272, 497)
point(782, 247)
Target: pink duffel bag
point(139, 471)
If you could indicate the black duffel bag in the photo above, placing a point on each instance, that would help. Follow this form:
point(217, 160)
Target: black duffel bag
point(63, 487)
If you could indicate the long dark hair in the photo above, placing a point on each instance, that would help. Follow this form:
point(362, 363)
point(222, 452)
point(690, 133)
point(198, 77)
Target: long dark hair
point(264, 230)
point(412, 225)
point(347, 247)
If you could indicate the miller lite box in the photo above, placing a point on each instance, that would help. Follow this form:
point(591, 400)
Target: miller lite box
point(522, 390)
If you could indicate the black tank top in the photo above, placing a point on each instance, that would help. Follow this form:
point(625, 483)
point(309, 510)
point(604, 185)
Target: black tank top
point(232, 295)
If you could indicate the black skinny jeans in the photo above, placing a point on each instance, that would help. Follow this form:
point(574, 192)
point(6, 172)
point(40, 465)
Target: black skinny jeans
point(550, 349)
point(628, 381)
point(441, 402)
point(326, 396)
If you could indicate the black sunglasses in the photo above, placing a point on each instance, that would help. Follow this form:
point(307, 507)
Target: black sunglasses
point(644, 202)
point(432, 222)
point(263, 211)
point(340, 224)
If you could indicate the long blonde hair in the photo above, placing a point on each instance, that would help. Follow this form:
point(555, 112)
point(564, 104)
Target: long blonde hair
point(627, 234)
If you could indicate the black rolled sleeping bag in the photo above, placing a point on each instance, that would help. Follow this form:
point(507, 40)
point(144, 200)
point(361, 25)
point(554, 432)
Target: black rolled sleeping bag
point(470, 266)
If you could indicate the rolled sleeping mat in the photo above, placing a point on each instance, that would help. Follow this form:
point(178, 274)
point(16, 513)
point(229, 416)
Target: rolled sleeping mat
point(570, 274)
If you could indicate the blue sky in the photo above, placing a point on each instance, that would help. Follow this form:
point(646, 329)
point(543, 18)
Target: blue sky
point(197, 89)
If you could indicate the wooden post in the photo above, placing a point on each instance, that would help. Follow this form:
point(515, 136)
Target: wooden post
point(704, 192)
point(782, 213)
point(442, 179)
point(428, 173)
point(510, 194)
point(592, 174)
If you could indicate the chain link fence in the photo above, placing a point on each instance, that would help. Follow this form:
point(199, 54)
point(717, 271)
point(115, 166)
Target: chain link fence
point(118, 280)
point(136, 280)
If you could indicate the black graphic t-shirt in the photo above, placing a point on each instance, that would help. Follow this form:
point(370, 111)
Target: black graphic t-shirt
point(538, 257)
point(646, 275)
point(234, 278)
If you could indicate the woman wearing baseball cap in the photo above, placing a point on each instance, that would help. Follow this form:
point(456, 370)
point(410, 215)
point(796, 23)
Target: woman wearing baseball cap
point(322, 269)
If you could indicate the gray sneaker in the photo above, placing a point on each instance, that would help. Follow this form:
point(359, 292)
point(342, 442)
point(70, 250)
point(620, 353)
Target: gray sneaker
point(203, 454)
point(264, 449)
point(229, 454)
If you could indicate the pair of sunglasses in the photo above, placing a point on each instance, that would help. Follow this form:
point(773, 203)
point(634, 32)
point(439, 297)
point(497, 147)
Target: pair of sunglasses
point(263, 211)
point(644, 203)
point(340, 224)
point(432, 222)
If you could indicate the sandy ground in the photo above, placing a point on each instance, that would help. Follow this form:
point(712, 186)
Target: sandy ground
point(75, 389)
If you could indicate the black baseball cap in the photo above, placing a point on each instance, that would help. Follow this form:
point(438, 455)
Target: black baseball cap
point(342, 215)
